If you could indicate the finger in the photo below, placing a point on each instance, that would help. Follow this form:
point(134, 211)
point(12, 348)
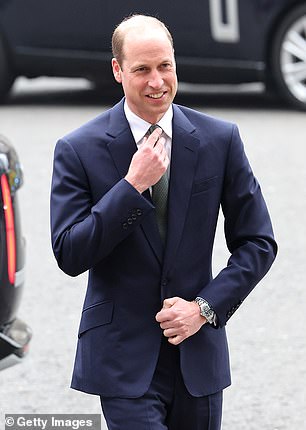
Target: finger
point(166, 325)
point(154, 137)
point(162, 316)
point(159, 317)
point(170, 332)
point(159, 145)
point(168, 303)
point(175, 340)
point(165, 314)
point(166, 160)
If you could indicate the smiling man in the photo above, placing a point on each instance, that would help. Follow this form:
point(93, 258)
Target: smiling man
point(135, 198)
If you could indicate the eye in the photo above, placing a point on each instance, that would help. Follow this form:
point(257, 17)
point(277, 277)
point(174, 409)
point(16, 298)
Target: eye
point(166, 66)
point(141, 69)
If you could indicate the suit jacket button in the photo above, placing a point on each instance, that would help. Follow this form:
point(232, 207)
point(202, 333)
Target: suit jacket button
point(139, 212)
point(130, 221)
point(134, 217)
point(125, 226)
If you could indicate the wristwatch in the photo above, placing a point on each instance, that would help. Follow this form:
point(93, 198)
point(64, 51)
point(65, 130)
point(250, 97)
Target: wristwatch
point(205, 309)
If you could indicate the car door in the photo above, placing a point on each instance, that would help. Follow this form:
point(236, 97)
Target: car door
point(45, 24)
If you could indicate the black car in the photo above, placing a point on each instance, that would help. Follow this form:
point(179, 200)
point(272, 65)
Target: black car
point(217, 41)
point(15, 335)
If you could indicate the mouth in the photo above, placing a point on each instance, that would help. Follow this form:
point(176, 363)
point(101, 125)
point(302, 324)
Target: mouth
point(156, 96)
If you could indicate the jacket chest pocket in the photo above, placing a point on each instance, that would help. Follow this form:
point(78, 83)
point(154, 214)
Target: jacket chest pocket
point(204, 185)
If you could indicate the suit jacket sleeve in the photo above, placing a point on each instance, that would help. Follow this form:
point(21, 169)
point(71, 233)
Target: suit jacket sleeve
point(84, 232)
point(248, 233)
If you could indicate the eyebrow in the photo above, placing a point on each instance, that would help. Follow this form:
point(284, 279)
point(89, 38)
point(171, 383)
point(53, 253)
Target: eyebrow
point(145, 65)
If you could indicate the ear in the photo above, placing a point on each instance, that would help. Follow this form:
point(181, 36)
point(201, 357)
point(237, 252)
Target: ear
point(116, 70)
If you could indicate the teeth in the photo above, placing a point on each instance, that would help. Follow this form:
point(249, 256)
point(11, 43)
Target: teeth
point(156, 96)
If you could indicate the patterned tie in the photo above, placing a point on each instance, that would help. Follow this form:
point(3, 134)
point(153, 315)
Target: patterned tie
point(160, 197)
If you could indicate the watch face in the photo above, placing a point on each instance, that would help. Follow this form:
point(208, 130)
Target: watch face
point(206, 311)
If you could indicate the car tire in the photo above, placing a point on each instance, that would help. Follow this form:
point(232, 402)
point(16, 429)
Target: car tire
point(6, 73)
point(288, 58)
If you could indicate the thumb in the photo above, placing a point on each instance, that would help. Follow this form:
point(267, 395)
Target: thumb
point(168, 303)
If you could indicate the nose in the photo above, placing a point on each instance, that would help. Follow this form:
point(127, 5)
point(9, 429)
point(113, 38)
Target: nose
point(155, 80)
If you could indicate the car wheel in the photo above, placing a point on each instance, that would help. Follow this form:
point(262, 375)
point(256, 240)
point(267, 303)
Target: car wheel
point(289, 58)
point(6, 74)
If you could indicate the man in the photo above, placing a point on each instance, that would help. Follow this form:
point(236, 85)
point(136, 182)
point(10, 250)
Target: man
point(152, 341)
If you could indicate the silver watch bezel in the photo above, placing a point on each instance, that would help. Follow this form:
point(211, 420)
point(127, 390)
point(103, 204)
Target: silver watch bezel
point(205, 309)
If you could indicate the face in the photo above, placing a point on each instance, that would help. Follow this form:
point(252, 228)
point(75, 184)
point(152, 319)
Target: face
point(148, 74)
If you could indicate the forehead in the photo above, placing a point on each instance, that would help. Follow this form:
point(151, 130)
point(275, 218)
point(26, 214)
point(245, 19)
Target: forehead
point(142, 44)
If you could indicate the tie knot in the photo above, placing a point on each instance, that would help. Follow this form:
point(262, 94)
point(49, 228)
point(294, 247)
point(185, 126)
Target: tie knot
point(152, 128)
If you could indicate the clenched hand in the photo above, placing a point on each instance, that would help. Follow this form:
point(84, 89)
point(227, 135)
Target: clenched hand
point(179, 319)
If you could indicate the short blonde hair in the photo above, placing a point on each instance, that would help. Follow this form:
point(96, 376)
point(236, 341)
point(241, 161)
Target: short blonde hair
point(131, 22)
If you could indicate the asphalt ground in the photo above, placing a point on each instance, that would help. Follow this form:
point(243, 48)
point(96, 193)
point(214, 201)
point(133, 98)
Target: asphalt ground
point(266, 335)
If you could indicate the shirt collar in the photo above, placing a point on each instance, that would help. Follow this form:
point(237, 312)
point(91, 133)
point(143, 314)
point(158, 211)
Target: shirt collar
point(139, 126)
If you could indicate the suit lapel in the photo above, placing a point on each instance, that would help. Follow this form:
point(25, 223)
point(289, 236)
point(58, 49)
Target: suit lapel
point(122, 148)
point(184, 155)
point(122, 145)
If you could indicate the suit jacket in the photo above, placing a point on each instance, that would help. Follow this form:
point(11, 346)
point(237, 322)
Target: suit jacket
point(100, 223)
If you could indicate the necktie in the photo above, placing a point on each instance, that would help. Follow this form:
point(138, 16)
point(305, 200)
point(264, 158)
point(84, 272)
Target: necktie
point(160, 197)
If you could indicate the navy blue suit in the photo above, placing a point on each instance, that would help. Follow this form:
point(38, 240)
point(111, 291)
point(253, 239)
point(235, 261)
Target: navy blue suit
point(102, 224)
